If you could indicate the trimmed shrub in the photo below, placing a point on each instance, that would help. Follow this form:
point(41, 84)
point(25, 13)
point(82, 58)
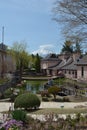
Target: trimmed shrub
point(66, 99)
point(44, 93)
point(26, 101)
point(19, 115)
point(45, 99)
point(58, 100)
point(54, 90)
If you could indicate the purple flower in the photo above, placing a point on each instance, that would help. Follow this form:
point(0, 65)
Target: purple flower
point(16, 125)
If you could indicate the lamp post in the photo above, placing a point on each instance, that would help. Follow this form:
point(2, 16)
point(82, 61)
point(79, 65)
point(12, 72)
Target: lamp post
point(2, 69)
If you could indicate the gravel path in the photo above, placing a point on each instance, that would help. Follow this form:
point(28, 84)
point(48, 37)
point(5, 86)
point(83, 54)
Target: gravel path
point(59, 105)
point(4, 106)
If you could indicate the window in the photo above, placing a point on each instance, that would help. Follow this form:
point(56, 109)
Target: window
point(82, 71)
point(72, 72)
point(65, 71)
point(69, 72)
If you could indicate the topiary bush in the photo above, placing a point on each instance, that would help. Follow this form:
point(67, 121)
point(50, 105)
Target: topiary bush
point(27, 101)
point(45, 93)
point(45, 99)
point(54, 90)
point(19, 115)
point(66, 99)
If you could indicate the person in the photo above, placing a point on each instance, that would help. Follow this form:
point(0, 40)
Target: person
point(50, 82)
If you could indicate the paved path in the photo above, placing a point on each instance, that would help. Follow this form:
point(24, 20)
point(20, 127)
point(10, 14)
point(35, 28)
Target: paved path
point(58, 104)
point(4, 106)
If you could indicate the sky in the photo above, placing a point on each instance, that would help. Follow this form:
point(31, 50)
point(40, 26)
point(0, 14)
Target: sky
point(30, 21)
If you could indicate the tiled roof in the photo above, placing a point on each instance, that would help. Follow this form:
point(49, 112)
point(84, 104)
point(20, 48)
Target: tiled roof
point(71, 66)
point(52, 67)
point(49, 59)
point(82, 61)
point(63, 63)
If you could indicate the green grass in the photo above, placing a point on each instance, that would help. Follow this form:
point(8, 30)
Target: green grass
point(59, 111)
point(65, 111)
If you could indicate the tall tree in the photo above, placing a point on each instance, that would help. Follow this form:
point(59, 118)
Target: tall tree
point(21, 56)
point(76, 43)
point(73, 16)
point(37, 63)
point(67, 47)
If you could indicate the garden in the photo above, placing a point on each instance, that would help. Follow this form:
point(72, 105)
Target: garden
point(19, 120)
point(62, 90)
point(27, 103)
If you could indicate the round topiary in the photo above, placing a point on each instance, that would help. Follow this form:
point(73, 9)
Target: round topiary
point(54, 90)
point(26, 101)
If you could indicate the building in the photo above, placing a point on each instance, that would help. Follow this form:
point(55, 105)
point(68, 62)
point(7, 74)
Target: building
point(73, 66)
point(49, 61)
point(82, 68)
point(70, 68)
point(7, 62)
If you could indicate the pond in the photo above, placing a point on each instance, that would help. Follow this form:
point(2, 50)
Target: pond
point(38, 85)
point(35, 86)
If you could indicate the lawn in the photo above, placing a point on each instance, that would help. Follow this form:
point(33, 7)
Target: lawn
point(59, 111)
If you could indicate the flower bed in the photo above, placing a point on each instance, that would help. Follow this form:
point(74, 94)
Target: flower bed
point(79, 121)
point(12, 125)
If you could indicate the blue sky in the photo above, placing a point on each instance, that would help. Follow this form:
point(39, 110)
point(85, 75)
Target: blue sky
point(30, 21)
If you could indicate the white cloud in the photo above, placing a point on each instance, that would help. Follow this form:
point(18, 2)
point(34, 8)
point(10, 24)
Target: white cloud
point(44, 49)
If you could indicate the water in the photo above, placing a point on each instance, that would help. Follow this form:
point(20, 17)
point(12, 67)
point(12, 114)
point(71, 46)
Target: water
point(38, 85)
point(35, 86)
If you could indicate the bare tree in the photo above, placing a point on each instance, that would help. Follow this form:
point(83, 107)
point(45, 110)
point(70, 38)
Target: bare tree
point(72, 14)
point(21, 56)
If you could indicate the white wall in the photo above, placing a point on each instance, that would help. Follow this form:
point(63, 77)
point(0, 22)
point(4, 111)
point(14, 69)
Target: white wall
point(79, 76)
